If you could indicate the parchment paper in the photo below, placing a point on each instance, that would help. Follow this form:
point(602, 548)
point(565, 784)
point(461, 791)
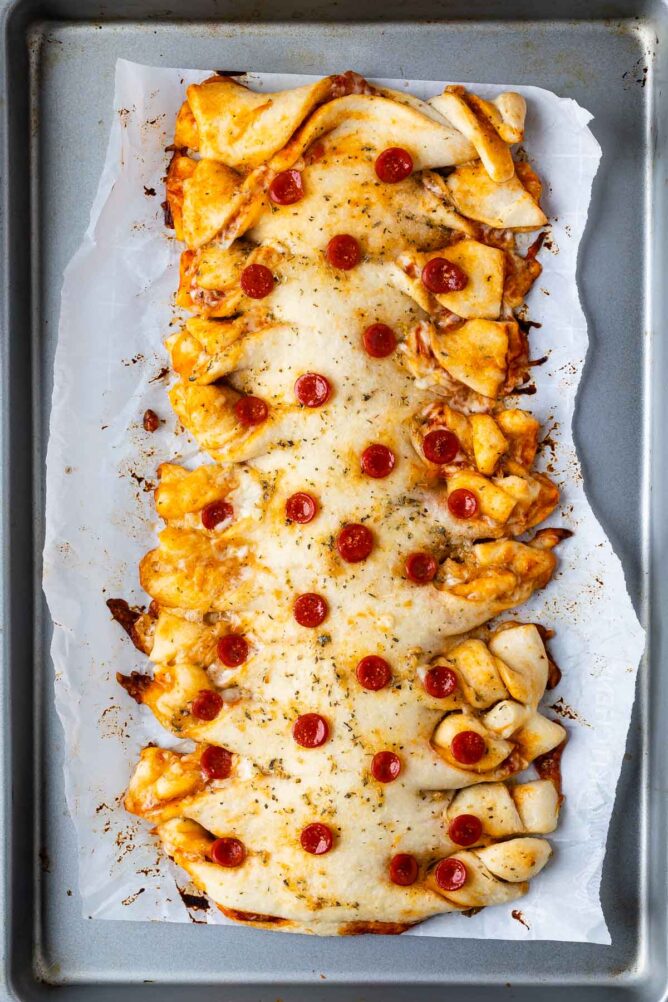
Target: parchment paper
point(116, 310)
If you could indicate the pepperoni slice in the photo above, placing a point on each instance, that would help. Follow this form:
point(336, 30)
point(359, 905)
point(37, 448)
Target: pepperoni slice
point(300, 507)
point(354, 543)
point(206, 705)
point(385, 766)
point(394, 164)
point(310, 730)
point(251, 410)
point(440, 446)
point(463, 503)
point(450, 874)
point(316, 839)
point(343, 252)
point(373, 672)
point(287, 187)
point(257, 281)
point(232, 649)
point(440, 681)
point(404, 869)
point(379, 340)
point(310, 609)
point(377, 461)
point(312, 389)
point(468, 747)
point(440, 275)
point(215, 513)
point(421, 568)
point(215, 762)
point(465, 829)
point(228, 852)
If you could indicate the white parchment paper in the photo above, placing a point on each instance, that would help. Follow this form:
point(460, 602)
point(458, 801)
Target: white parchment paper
point(116, 310)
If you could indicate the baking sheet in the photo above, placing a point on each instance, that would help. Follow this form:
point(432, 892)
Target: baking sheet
point(109, 366)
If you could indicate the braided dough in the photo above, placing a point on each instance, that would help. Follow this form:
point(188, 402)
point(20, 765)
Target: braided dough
point(451, 826)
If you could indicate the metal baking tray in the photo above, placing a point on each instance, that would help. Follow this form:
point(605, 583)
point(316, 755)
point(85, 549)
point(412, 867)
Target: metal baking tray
point(56, 111)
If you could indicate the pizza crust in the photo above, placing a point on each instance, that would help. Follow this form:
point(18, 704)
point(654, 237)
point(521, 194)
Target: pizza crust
point(457, 356)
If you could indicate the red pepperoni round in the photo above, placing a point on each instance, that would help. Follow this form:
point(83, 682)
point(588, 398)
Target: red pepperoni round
point(404, 869)
point(465, 829)
point(385, 766)
point(468, 747)
point(379, 340)
point(440, 275)
point(394, 164)
point(377, 461)
point(421, 568)
point(216, 763)
point(440, 681)
point(310, 730)
point(440, 446)
point(463, 503)
point(232, 649)
point(251, 410)
point(215, 513)
point(228, 852)
point(354, 543)
point(312, 389)
point(257, 281)
point(316, 839)
point(373, 672)
point(206, 705)
point(450, 874)
point(287, 187)
point(310, 609)
point(343, 252)
point(300, 508)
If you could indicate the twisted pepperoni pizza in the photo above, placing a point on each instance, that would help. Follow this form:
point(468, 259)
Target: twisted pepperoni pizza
point(350, 364)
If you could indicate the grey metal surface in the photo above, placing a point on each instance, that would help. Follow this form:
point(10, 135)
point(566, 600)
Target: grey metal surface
point(57, 103)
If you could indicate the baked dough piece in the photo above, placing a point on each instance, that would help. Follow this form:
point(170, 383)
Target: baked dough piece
point(498, 204)
point(490, 697)
point(348, 887)
point(239, 564)
point(320, 586)
point(263, 805)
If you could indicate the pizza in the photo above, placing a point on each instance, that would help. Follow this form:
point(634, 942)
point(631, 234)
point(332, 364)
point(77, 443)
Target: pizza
point(366, 746)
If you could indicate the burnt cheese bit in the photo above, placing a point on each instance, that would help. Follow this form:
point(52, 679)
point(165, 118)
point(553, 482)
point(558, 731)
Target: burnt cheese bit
point(135, 684)
point(167, 213)
point(151, 421)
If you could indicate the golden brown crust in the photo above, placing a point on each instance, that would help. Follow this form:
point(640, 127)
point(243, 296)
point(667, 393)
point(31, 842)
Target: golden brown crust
point(180, 168)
